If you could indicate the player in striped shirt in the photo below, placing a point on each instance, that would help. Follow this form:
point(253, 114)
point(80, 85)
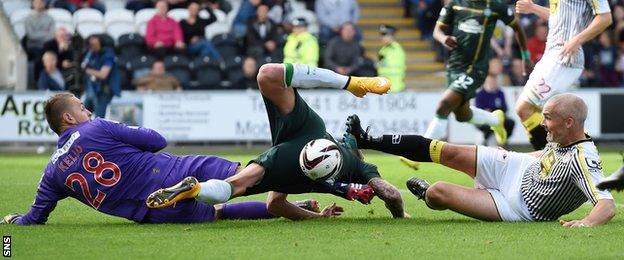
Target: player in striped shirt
point(510, 186)
point(570, 24)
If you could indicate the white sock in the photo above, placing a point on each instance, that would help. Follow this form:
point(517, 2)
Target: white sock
point(482, 117)
point(304, 76)
point(437, 128)
point(214, 192)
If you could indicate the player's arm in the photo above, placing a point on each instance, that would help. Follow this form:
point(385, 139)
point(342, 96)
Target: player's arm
point(600, 22)
point(45, 202)
point(279, 206)
point(602, 212)
point(143, 138)
point(390, 195)
point(439, 34)
point(528, 7)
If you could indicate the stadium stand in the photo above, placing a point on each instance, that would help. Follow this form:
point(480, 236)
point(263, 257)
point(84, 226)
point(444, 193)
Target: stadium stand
point(207, 72)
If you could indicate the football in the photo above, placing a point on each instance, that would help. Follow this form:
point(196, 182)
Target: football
point(320, 159)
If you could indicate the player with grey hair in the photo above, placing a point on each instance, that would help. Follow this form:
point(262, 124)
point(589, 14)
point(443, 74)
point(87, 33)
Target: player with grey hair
point(510, 186)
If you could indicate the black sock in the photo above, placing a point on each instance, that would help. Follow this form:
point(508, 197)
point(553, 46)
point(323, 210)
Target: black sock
point(413, 147)
point(538, 137)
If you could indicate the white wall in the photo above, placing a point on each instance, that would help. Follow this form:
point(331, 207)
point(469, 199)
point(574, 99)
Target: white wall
point(13, 60)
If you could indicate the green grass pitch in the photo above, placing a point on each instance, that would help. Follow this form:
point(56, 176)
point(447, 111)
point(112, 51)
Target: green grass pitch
point(76, 231)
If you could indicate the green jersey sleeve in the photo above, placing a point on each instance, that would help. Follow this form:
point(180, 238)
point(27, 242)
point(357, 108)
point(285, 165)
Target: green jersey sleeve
point(446, 14)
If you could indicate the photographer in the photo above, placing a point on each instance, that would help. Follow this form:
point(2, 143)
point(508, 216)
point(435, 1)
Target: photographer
point(102, 79)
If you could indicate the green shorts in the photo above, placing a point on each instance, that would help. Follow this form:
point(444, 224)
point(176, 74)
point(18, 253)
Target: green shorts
point(289, 133)
point(465, 83)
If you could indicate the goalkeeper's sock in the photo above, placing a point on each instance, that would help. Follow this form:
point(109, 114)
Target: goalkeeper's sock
point(535, 131)
point(246, 210)
point(413, 147)
point(437, 128)
point(304, 76)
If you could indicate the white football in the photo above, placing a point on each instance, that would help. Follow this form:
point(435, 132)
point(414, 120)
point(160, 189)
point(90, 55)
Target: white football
point(320, 159)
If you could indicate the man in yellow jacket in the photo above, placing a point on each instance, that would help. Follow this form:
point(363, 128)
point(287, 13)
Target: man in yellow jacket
point(301, 46)
point(391, 59)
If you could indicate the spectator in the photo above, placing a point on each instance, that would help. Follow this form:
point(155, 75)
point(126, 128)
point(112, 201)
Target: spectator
point(51, 78)
point(163, 35)
point(250, 70)
point(427, 15)
point(136, 5)
point(73, 5)
point(102, 80)
point(607, 56)
point(332, 14)
point(193, 29)
point(502, 41)
point(391, 62)
point(516, 77)
point(261, 34)
point(490, 97)
point(301, 46)
point(245, 12)
point(343, 52)
point(39, 28)
point(61, 46)
point(618, 20)
point(537, 43)
point(173, 4)
point(157, 79)
point(222, 5)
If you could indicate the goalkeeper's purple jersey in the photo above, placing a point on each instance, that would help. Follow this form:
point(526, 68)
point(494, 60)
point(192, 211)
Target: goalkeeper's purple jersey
point(106, 165)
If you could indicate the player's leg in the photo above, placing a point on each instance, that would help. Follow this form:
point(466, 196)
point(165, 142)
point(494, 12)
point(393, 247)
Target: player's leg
point(476, 116)
point(476, 203)
point(415, 147)
point(437, 128)
point(531, 118)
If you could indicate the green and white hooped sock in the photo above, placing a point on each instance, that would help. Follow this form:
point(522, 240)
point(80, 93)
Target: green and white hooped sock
point(304, 76)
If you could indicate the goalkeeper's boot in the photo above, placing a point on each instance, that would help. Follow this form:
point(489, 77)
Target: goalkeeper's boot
point(309, 204)
point(615, 181)
point(186, 189)
point(499, 130)
point(356, 137)
point(418, 187)
point(359, 86)
point(360, 192)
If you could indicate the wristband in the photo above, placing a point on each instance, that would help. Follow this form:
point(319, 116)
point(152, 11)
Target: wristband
point(525, 54)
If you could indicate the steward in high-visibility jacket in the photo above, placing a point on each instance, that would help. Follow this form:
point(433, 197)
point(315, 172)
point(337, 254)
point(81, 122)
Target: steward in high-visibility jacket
point(391, 62)
point(301, 46)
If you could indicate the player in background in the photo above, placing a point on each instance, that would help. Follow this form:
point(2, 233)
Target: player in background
point(465, 27)
point(293, 124)
point(571, 23)
point(615, 181)
point(113, 168)
point(509, 186)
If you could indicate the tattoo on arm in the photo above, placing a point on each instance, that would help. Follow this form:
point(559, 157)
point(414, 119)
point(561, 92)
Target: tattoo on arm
point(390, 195)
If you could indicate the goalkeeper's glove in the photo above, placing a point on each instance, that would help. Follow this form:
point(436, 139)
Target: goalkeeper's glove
point(10, 219)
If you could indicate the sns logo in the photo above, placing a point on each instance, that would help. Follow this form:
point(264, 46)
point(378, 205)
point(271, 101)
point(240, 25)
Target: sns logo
point(6, 246)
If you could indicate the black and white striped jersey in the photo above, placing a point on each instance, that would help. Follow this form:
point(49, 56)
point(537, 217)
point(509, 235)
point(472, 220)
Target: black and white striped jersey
point(570, 17)
point(562, 180)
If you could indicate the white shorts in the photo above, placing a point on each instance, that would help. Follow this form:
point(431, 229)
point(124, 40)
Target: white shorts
point(548, 78)
point(500, 172)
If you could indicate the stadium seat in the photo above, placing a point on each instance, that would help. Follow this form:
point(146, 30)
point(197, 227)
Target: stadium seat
point(60, 15)
point(142, 17)
point(203, 14)
point(216, 29)
point(19, 29)
point(221, 16)
point(130, 45)
point(178, 66)
point(234, 73)
point(141, 65)
point(207, 72)
point(296, 5)
point(88, 15)
point(116, 30)
point(227, 45)
point(10, 6)
point(118, 16)
point(114, 4)
point(106, 40)
point(87, 29)
point(19, 15)
point(123, 63)
point(178, 14)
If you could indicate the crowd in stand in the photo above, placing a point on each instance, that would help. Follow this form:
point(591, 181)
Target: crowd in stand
point(258, 31)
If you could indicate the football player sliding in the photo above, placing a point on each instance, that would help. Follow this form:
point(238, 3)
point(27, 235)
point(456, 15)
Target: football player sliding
point(293, 125)
point(112, 168)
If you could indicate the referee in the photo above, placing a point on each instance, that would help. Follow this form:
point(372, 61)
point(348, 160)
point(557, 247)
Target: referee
point(510, 186)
